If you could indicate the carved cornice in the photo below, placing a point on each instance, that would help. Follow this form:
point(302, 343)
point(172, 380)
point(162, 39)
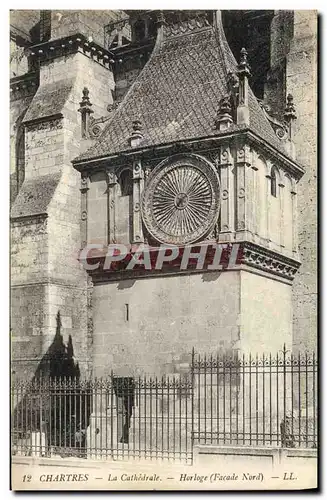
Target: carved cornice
point(232, 136)
point(28, 219)
point(250, 257)
point(269, 261)
point(23, 86)
point(70, 45)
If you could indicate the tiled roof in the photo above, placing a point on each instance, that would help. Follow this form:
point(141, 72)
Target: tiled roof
point(176, 96)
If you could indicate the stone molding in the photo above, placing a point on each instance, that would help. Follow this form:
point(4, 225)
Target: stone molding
point(70, 45)
point(200, 146)
point(269, 261)
point(28, 219)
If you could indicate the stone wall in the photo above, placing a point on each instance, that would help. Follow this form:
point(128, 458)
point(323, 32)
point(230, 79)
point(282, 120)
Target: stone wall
point(45, 251)
point(294, 70)
point(18, 107)
point(89, 22)
point(149, 326)
point(301, 81)
point(266, 314)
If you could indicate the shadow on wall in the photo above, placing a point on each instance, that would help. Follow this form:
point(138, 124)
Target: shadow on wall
point(59, 359)
point(52, 401)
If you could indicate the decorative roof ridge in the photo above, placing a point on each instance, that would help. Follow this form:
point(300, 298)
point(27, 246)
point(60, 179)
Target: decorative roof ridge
point(230, 63)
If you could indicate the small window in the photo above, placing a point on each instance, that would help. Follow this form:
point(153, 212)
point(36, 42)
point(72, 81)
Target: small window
point(126, 183)
point(273, 183)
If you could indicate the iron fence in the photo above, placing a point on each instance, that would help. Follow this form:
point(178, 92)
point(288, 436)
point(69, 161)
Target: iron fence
point(260, 400)
point(230, 400)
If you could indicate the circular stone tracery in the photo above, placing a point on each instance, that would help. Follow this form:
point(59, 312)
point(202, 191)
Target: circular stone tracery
point(181, 201)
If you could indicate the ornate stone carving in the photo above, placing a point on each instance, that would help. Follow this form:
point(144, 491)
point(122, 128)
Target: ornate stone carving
point(84, 182)
point(85, 110)
point(181, 202)
point(280, 128)
point(185, 22)
point(224, 117)
point(243, 72)
point(266, 260)
point(96, 124)
point(70, 45)
point(111, 178)
point(147, 171)
point(137, 135)
point(289, 115)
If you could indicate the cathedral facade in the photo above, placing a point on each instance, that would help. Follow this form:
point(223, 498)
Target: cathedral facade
point(157, 129)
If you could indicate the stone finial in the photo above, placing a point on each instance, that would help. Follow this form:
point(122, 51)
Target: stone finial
point(243, 66)
point(160, 18)
point(85, 102)
point(85, 110)
point(232, 81)
point(137, 126)
point(243, 72)
point(224, 117)
point(289, 114)
point(136, 136)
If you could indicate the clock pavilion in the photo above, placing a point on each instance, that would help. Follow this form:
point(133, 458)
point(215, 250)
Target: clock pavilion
point(189, 158)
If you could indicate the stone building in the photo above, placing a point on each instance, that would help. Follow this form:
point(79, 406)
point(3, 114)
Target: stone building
point(112, 113)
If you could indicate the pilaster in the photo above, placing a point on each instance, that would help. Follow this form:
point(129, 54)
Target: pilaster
point(281, 194)
point(254, 198)
point(243, 162)
point(294, 222)
point(84, 191)
point(112, 190)
point(268, 204)
point(226, 165)
point(138, 186)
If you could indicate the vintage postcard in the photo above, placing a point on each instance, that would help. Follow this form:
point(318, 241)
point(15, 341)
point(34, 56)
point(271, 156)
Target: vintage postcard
point(163, 249)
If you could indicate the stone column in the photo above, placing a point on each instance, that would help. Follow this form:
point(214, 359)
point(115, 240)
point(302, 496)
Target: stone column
point(112, 184)
point(138, 185)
